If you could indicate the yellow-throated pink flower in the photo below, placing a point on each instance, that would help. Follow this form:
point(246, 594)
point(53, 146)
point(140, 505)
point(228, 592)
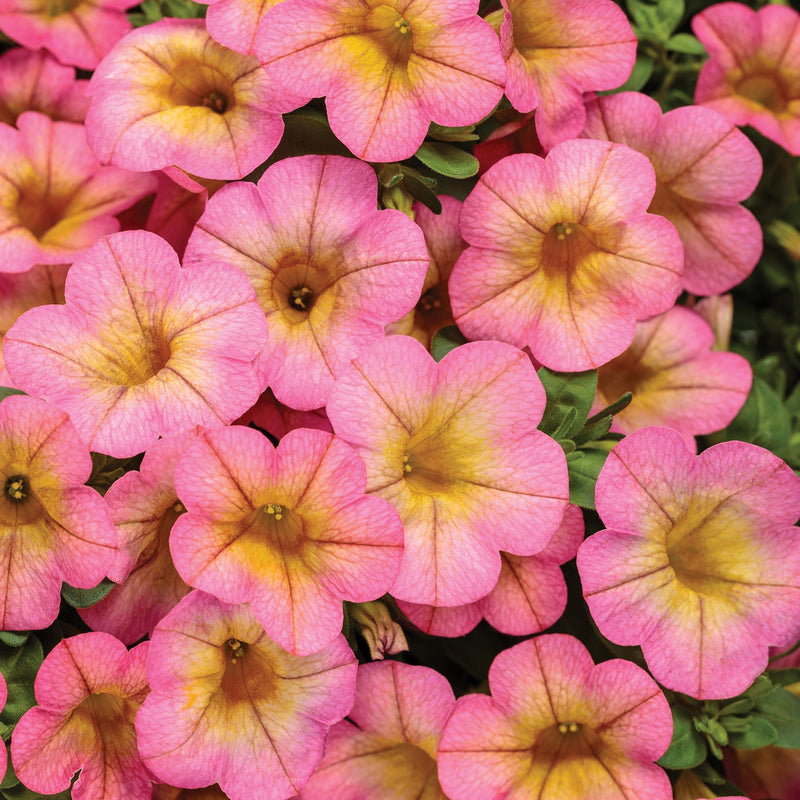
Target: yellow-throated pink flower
point(753, 74)
point(229, 706)
point(558, 726)
point(88, 690)
point(699, 563)
point(387, 69)
point(142, 348)
point(454, 447)
point(563, 257)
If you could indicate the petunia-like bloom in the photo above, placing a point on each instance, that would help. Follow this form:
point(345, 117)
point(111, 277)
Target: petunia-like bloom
point(288, 530)
point(144, 506)
point(676, 379)
point(142, 348)
point(32, 80)
point(329, 269)
point(753, 74)
point(77, 32)
point(169, 94)
point(229, 706)
point(20, 291)
point(700, 564)
point(386, 747)
point(52, 527)
point(529, 597)
point(55, 197)
point(88, 690)
point(558, 726)
point(563, 257)
point(234, 23)
point(387, 68)
point(444, 243)
point(704, 167)
point(556, 50)
point(454, 447)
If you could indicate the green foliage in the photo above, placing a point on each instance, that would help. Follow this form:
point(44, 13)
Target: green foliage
point(7, 391)
point(445, 340)
point(154, 10)
point(688, 747)
point(83, 598)
point(411, 181)
point(447, 159)
point(655, 22)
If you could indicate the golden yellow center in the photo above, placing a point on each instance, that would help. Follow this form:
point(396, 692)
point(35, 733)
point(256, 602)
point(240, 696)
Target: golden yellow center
point(20, 505)
point(391, 32)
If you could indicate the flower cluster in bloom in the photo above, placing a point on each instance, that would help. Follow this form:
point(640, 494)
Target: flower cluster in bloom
point(399, 400)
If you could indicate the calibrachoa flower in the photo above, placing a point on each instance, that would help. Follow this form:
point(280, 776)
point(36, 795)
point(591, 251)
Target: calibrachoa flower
point(32, 80)
point(529, 597)
point(144, 507)
point(753, 74)
point(562, 256)
point(454, 447)
point(329, 269)
point(169, 94)
point(234, 22)
point(700, 564)
point(76, 32)
point(229, 706)
point(386, 748)
point(558, 726)
point(387, 69)
point(287, 529)
point(142, 348)
point(704, 166)
point(52, 527)
point(677, 380)
point(88, 690)
point(556, 50)
point(443, 240)
point(55, 197)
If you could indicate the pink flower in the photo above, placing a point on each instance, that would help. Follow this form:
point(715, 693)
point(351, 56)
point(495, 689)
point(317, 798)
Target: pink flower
point(454, 447)
point(277, 419)
point(386, 748)
point(700, 564)
point(181, 353)
point(529, 597)
point(704, 166)
point(53, 527)
point(88, 690)
point(169, 94)
point(55, 198)
point(387, 69)
point(229, 706)
point(288, 530)
point(676, 379)
point(32, 80)
point(564, 258)
point(144, 506)
point(753, 74)
point(558, 726)
point(77, 32)
point(329, 269)
point(556, 50)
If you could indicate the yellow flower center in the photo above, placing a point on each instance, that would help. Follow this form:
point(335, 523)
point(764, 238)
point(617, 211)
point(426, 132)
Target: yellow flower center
point(17, 488)
point(568, 727)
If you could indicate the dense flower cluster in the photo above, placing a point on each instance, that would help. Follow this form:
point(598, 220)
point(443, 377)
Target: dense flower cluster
point(370, 421)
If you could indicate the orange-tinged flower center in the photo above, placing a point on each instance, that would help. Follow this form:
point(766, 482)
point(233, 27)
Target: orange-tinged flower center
point(134, 360)
point(433, 309)
point(189, 83)
point(39, 209)
point(281, 527)
point(20, 506)
point(764, 85)
point(17, 488)
point(248, 676)
point(566, 246)
point(299, 284)
point(55, 8)
point(392, 32)
point(565, 742)
point(159, 544)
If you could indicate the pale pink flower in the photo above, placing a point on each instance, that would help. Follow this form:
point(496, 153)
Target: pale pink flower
point(387, 69)
point(704, 167)
point(753, 74)
point(229, 706)
point(142, 347)
point(88, 690)
point(563, 257)
point(558, 726)
point(699, 564)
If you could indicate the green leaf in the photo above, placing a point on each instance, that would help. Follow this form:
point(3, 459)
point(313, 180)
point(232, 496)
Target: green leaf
point(83, 598)
point(688, 747)
point(20, 792)
point(566, 391)
point(656, 22)
point(685, 43)
point(14, 638)
point(763, 419)
point(760, 734)
point(782, 710)
point(583, 474)
point(445, 340)
point(463, 133)
point(7, 391)
point(740, 706)
point(784, 677)
point(19, 666)
point(447, 159)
